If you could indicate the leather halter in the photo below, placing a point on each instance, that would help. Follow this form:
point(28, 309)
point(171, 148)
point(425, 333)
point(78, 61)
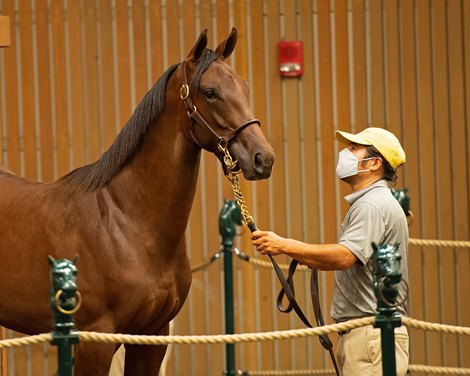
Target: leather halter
point(193, 114)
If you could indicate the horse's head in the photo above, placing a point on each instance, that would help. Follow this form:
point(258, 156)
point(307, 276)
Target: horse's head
point(216, 100)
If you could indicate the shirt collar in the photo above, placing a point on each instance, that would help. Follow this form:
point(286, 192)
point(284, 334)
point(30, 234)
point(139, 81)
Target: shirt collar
point(352, 197)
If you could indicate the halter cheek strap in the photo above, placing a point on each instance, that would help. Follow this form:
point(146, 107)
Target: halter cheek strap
point(193, 114)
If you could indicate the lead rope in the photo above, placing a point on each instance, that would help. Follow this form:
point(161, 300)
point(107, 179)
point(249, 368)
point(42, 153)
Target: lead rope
point(287, 289)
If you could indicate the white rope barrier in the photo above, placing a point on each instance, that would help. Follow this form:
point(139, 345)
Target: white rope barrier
point(85, 336)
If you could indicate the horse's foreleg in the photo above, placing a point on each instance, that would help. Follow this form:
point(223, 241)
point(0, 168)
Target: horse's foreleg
point(144, 360)
point(93, 359)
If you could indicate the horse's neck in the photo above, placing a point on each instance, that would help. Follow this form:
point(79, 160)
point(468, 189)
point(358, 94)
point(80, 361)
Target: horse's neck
point(159, 183)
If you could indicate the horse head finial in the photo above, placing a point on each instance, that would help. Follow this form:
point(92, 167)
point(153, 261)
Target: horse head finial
point(52, 260)
point(386, 275)
point(230, 216)
point(65, 299)
point(225, 49)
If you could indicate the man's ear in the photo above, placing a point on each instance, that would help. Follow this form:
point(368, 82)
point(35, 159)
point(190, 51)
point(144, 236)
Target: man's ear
point(377, 164)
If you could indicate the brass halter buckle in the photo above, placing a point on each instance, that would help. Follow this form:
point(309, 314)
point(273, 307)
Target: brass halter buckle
point(184, 91)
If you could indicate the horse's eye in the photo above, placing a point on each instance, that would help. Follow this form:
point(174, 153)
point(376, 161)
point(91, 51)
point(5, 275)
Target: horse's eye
point(209, 93)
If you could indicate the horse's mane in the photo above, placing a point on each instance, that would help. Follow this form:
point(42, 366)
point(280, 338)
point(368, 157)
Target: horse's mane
point(129, 140)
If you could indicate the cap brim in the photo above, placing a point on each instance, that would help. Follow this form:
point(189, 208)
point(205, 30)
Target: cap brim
point(347, 138)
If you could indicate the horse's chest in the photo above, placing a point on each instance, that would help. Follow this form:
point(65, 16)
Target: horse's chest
point(154, 297)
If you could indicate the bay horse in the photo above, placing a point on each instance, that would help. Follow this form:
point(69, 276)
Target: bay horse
point(125, 215)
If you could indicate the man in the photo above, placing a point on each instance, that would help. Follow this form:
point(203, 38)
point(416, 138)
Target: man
point(369, 166)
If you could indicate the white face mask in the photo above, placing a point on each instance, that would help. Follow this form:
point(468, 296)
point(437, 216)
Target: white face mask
point(347, 164)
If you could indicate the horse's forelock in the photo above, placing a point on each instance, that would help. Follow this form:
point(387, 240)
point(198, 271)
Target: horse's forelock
point(206, 59)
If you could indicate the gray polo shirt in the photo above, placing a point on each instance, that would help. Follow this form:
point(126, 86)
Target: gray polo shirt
point(376, 216)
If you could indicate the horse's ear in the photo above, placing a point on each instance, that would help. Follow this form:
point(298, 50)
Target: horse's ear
point(396, 246)
point(74, 259)
point(225, 48)
point(199, 47)
point(374, 247)
point(51, 260)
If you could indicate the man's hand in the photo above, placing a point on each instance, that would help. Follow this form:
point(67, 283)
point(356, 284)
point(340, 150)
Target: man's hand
point(269, 243)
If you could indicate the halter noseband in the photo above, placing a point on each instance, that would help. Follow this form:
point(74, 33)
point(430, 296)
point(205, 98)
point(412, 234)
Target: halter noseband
point(193, 114)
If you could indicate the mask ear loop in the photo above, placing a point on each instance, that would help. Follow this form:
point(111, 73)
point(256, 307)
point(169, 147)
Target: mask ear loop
point(366, 159)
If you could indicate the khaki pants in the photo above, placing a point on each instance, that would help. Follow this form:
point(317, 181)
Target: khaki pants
point(359, 352)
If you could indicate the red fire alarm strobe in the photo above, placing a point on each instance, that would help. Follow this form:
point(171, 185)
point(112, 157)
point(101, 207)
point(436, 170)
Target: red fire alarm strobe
point(291, 58)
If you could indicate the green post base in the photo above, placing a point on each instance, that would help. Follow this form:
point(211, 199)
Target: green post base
point(64, 343)
point(387, 327)
point(229, 217)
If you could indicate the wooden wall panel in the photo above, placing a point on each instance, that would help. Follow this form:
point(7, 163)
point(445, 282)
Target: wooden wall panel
point(76, 71)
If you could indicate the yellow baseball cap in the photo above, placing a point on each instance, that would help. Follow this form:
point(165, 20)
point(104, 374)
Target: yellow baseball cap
point(384, 141)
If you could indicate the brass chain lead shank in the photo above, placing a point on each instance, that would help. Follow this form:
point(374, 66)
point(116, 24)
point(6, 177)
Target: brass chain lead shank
point(232, 174)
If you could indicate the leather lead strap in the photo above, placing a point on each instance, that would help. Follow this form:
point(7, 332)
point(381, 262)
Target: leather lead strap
point(287, 289)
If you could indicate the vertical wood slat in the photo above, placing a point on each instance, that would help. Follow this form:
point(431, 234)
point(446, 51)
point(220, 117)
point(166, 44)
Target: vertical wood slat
point(311, 229)
point(60, 87)
point(443, 170)
point(5, 38)
point(426, 344)
point(93, 103)
point(107, 72)
point(263, 311)
point(139, 53)
point(77, 77)
point(326, 135)
point(278, 194)
point(459, 157)
point(408, 134)
point(464, 256)
point(25, 43)
point(11, 94)
point(359, 120)
point(45, 96)
point(124, 101)
point(3, 354)
point(375, 69)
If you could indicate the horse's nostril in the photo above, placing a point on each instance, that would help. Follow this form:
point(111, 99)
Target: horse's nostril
point(258, 162)
point(263, 163)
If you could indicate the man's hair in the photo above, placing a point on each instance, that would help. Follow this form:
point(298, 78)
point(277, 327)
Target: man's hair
point(390, 173)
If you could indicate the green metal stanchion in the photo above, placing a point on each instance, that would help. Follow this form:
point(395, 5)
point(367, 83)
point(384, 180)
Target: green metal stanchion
point(65, 301)
point(230, 216)
point(387, 276)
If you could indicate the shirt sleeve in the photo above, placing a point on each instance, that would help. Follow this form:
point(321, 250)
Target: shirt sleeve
point(365, 225)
